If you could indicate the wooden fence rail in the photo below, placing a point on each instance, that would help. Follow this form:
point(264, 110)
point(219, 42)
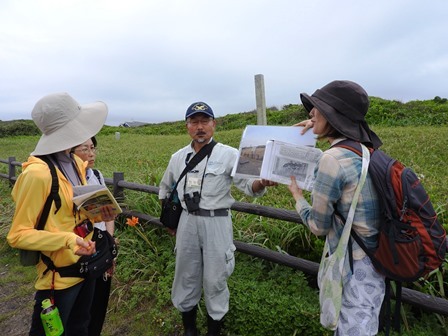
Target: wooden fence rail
point(119, 185)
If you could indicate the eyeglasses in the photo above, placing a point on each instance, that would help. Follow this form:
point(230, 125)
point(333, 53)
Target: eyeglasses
point(196, 122)
point(86, 150)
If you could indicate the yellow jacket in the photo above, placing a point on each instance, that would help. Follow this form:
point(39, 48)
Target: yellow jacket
point(57, 240)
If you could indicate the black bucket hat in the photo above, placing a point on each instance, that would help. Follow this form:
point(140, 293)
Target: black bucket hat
point(344, 105)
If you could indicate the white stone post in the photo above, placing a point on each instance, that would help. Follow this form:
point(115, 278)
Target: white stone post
point(260, 100)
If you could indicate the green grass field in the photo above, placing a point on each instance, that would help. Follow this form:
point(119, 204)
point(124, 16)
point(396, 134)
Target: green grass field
point(140, 302)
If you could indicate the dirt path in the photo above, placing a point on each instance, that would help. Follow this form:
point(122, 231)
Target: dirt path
point(16, 303)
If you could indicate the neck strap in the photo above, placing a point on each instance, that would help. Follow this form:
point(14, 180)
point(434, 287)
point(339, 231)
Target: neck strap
point(203, 152)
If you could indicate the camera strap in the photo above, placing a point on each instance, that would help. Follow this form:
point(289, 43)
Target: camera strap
point(203, 152)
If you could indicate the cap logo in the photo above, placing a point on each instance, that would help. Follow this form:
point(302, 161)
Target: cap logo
point(199, 107)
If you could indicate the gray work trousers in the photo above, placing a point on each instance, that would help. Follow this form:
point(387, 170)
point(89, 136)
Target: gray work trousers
point(204, 258)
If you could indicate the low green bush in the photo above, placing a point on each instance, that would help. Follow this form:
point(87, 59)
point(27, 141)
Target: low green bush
point(270, 299)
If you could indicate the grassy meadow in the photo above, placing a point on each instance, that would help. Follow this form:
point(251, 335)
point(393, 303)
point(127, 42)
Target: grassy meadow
point(266, 299)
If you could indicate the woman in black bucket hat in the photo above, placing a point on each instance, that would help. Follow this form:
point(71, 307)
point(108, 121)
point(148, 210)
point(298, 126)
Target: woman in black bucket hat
point(337, 112)
point(344, 104)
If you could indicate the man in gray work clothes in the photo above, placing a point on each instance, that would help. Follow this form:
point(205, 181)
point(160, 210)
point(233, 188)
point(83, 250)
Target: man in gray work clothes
point(204, 237)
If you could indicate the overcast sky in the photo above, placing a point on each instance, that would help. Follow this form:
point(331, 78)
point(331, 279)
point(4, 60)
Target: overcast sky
point(149, 59)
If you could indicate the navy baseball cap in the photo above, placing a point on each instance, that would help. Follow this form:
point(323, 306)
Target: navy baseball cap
point(199, 107)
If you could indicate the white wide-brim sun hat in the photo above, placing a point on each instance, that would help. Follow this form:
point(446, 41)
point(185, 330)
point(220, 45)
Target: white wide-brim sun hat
point(65, 123)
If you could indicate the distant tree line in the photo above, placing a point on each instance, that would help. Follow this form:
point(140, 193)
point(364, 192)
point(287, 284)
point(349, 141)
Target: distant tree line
point(381, 112)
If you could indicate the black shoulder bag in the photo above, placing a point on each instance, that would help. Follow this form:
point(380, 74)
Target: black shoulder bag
point(92, 266)
point(171, 207)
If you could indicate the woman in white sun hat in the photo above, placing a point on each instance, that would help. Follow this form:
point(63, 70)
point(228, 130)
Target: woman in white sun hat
point(64, 124)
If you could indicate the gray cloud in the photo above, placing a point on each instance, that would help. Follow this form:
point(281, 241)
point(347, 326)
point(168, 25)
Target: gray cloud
point(148, 60)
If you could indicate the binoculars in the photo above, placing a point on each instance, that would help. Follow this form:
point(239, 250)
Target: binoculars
point(192, 203)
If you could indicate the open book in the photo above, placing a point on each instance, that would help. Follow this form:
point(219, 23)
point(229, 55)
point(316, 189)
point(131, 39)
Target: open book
point(253, 144)
point(283, 160)
point(90, 198)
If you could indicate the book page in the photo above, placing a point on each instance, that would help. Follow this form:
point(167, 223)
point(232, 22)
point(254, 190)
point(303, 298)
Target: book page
point(90, 199)
point(253, 144)
point(283, 160)
point(86, 190)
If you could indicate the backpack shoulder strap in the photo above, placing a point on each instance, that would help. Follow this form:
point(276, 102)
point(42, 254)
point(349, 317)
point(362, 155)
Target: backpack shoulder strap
point(356, 148)
point(53, 196)
point(97, 174)
point(352, 145)
point(380, 173)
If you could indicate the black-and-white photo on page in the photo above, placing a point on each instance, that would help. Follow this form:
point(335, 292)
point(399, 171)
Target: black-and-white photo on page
point(253, 146)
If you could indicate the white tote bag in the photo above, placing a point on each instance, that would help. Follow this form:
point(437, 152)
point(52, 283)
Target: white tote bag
point(330, 275)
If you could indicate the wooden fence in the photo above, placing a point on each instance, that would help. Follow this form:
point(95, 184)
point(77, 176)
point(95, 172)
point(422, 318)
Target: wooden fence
point(119, 185)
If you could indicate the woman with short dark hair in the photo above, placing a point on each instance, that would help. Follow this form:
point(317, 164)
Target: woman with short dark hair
point(87, 151)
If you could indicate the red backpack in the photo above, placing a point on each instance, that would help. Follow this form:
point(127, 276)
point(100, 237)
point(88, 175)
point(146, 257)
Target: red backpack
point(411, 240)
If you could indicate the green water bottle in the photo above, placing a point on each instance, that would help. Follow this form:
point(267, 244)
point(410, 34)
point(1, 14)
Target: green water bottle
point(50, 319)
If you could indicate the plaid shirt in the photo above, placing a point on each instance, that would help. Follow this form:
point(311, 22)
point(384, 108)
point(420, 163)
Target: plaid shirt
point(337, 176)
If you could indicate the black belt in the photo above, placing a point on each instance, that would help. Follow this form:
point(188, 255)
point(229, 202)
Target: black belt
point(211, 213)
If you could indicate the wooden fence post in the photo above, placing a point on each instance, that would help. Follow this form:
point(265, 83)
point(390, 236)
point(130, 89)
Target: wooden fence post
point(118, 191)
point(11, 169)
